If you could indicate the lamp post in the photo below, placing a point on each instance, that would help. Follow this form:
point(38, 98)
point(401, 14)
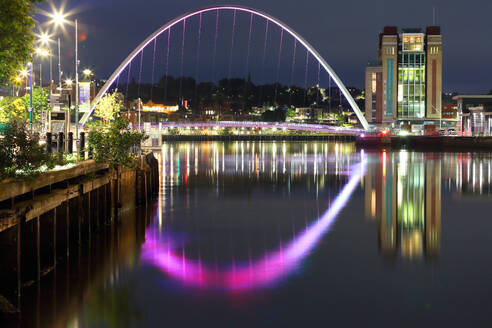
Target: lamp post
point(59, 68)
point(58, 18)
point(24, 73)
point(18, 81)
point(42, 53)
point(41, 93)
point(76, 82)
point(44, 39)
point(30, 96)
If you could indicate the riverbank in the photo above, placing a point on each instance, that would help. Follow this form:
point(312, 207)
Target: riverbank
point(45, 220)
point(433, 143)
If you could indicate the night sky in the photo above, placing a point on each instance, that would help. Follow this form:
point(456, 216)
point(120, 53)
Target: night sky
point(344, 32)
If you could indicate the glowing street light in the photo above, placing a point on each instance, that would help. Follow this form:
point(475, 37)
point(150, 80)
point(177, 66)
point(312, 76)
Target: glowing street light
point(58, 18)
point(42, 52)
point(87, 72)
point(44, 38)
point(23, 72)
point(68, 82)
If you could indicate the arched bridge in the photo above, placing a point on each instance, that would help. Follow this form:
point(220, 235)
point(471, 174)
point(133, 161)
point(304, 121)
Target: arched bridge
point(284, 27)
point(319, 128)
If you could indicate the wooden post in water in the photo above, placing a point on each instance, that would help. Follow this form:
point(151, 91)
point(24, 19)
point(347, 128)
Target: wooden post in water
point(38, 247)
point(53, 235)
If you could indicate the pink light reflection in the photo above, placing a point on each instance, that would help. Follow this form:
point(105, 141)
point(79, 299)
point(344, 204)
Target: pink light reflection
point(262, 273)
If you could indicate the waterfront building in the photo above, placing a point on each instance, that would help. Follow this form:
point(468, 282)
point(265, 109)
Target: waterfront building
point(404, 87)
point(474, 115)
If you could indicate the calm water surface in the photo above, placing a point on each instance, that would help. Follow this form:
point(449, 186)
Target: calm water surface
point(248, 234)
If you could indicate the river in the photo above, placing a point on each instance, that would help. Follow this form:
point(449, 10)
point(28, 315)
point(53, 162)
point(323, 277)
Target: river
point(276, 234)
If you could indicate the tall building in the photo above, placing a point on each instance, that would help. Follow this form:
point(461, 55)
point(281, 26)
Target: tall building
point(404, 87)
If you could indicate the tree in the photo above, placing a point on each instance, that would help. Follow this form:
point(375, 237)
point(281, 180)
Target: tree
point(290, 113)
point(277, 115)
point(109, 106)
point(16, 36)
point(38, 104)
point(113, 143)
point(18, 107)
point(12, 108)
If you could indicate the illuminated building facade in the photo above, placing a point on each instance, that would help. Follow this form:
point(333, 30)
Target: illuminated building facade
point(405, 86)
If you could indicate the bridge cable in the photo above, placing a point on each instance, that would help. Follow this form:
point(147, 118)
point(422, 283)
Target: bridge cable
point(291, 86)
point(140, 74)
point(306, 76)
point(128, 79)
point(167, 65)
point(317, 86)
point(278, 65)
point(230, 54)
point(246, 73)
point(182, 62)
point(263, 63)
point(153, 73)
point(329, 93)
point(215, 46)
point(196, 96)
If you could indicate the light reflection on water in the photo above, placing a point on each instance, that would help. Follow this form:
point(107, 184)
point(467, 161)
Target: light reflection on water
point(254, 234)
point(273, 265)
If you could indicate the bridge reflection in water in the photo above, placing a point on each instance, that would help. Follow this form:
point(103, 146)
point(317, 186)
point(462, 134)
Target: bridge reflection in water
point(402, 192)
point(255, 161)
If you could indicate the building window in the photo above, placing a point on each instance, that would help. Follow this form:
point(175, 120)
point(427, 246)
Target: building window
point(411, 85)
point(434, 50)
point(373, 83)
point(413, 43)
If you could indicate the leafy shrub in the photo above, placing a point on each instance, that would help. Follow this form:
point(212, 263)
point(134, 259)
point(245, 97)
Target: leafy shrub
point(113, 143)
point(20, 152)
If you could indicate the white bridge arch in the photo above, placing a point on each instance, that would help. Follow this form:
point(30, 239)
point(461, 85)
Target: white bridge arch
point(274, 20)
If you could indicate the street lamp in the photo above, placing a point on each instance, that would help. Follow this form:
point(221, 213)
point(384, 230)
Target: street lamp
point(30, 96)
point(59, 19)
point(17, 80)
point(42, 53)
point(87, 72)
point(44, 40)
point(23, 73)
